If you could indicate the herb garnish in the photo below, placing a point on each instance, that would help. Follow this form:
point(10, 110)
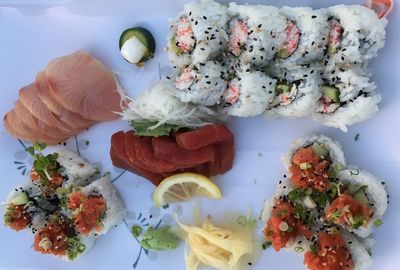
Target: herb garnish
point(313, 249)
point(144, 128)
point(45, 166)
point(378, 223)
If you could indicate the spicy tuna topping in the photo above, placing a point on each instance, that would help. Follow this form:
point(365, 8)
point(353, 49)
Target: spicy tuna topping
point(283, 226)
point(345, 210)
point(184, 38)
point(309, 170)
point(52, 239)
point(331, 254)
point(16, 217)
point(87, 211)
point(239, 33)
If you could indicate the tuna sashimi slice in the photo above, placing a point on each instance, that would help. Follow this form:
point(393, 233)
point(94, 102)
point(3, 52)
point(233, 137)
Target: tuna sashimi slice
point(166, 148)
point(39, 128)
point(19, 130)
point(73, 119)
point(82, 84)
point(144, 153)
point(29, 98)
point(210, 134)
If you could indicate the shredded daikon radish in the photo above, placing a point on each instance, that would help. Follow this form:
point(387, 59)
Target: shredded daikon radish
point(158, 105)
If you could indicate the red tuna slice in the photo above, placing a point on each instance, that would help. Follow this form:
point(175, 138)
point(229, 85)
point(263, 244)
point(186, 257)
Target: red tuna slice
point(82, 84)
point(74, 120)
point(144, 152)
point(226, 155)
point(166, 148)
point(21, 131)
point(120, 159)
point(29, 98)
point(37, 126)
point(210, 134)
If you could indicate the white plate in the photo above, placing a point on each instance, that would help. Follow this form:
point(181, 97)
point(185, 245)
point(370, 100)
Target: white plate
point(32, 34)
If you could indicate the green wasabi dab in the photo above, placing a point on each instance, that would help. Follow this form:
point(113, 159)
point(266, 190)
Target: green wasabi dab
point(159, 239)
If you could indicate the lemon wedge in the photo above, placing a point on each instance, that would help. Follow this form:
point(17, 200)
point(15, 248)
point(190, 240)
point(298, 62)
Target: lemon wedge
point(184, 186)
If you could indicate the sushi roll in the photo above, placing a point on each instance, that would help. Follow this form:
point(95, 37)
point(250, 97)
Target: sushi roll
point(304, 38)
point(59, 238)
point(361, 203)
point(23, 210)
point(356, 34)
point(198, 34)
point(202, 85)
point(348, 97)
point(333, 249)
point(254, 33)
point(297, 92)
point(96, 207)
point(248, 93)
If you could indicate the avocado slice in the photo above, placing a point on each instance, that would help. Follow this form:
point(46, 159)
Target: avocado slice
point(360, 195)
point(283, 53)
point(319, 150)
point(174, 47)
point(21, 199)
point(331, 92)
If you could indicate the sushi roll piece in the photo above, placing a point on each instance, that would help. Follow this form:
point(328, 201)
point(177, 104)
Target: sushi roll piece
point(334, 249)
point(304, 38)
point(59, 238)
point(286, 227)
point(254, 33)
point(96, 207)
point(348, 97)
point(356, 34)
point(202, 85)
point(297, 92)
point(361, 203)
point(311, 161)
point(22, 210)
point(248, 93)
point(198, 34)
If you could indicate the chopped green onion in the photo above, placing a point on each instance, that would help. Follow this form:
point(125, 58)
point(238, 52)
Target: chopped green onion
point(242, 221)
point(378, 223)
point(336, 215)
point(357, 222)
point(313, 249)
point(266, 245)
point(71, 255)
point(296, 194)
point(81, 248)
point(305, 166)
point(299, 249)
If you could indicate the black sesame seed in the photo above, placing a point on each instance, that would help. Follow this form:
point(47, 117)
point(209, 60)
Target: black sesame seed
point(255, 39)
point(249, 263)
point(313, 16)
point(342, 58)
point(203, 49)
point(196, 22)
point(383, 183)
point(204, 17)
point(259, 26)
point(312, 43)
point(209, 28)
point(264, 86)
point(208, 82)
point(206, 32)
point(270, 83)
point(169, 78)
point(312, 71)
point(270, 92)
point(284, 175)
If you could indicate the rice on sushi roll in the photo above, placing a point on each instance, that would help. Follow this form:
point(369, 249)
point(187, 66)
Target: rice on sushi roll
point(59, 238)
point(296, 92)
point(198, 34)
point(348, 97)
point(355, 34)
point(254, 33)
point(75, 170)
point(304, 38)
point(248, 93)
point(361, 203)
point(96, 207)
point(203, 84)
